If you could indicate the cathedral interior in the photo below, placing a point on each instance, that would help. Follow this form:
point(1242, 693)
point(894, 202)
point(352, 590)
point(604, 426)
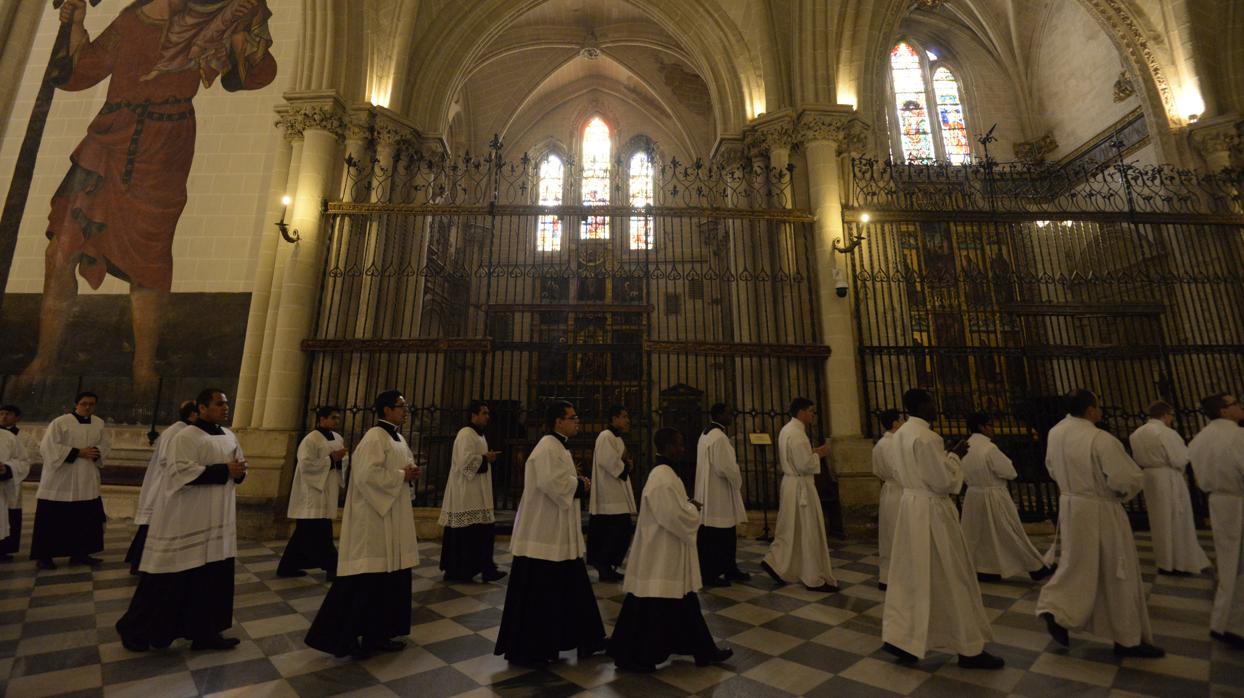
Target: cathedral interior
point(655, 204)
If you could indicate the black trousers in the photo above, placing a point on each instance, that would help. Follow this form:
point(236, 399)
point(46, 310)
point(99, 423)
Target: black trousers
point(374, 607)
point(134, 555)
point(72, 529)
point(467, 551)
point(716, 548)
point(608, 539)
point(649, 630)
point(9, 545)
point(196, 604)
point(549, 608)
point(310, 546)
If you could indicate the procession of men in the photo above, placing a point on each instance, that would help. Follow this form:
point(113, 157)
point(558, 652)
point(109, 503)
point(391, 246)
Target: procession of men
point(932, 560)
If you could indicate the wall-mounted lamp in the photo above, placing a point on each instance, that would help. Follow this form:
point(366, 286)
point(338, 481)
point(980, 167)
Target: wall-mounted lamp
point(281, 225)
point(852, 242)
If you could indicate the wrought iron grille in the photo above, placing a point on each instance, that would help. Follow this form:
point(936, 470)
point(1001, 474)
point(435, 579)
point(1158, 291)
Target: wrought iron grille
point(434, 283)
point(1002, 287)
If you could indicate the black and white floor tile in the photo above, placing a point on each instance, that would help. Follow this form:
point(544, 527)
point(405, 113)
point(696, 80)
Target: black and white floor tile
point(57, 638)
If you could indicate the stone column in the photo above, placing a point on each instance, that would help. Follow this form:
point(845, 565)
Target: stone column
point(261, 292)
point(1219, 140)
point(324, 122)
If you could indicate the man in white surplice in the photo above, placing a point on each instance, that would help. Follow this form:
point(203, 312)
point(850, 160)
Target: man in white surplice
point(991, 526)
point(933, 602)
point(885, 467)
point(1161, 452)
point(322, 460)
point(800, 550)
point(69, 513)
point(466, 512)
point(1097, 587)
point(719, 487)
point(611, 502)
point(1218, 460)
point(14, 467)
point(153, 482)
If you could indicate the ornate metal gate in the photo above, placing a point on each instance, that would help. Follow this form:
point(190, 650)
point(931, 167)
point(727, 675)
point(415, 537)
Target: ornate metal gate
point(1002, 287)
point(439, 283)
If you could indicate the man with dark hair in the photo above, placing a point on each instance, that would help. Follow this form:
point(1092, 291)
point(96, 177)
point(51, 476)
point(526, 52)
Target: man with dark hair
point(69, 516)
point(14, 467)
point(1097, 587)
point(611, 502)
point(933, 603)
point(368, 605)
point(153, 482)
point(661, 614)
point(322, 458)
point(549, 603)
point(466, 512)
point(1217, 455)
point(719, 488)
point(885, 467)
point(995, 535)
point(1160, 451)
point(185, 588)
point(800, 550)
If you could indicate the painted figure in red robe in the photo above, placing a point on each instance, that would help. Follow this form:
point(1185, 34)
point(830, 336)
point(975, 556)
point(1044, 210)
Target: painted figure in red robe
point(117, 209)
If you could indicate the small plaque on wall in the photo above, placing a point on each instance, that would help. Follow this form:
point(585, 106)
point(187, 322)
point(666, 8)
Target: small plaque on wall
point(760, 439)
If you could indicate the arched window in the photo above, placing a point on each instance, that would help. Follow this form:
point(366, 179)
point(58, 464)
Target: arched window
point(595, 183)
point(640, 189)
point(918, 81)
point(549, 228)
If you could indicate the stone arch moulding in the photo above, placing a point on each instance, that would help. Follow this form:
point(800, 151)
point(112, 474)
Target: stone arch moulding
point(439, 68)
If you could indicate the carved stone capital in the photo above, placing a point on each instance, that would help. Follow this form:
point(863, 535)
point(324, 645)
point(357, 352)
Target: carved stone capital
point(771, 131)
point(839, 125)
point(291, 128)
point(322, 116)
point(1217, 136)
point(1036, 150)
point(730, 153)
point(359, 125)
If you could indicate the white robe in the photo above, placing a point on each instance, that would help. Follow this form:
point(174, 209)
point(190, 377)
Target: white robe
point(663, 561)
point(547, 524)
point(1161, 452)
point(192, 525)
point(995, 536)
point(77, 481)
point(317, 484)
point(609, 493)
point(933, 602)
point(13, 455)
point(800, 550)
point(153, 477)
point(468, 493)
point(1218, 460)
point(885, 468)
point(718, 481)
point(1097, 587)
point(378, 525)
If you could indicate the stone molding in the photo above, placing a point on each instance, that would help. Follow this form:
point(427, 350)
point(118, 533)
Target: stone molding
point(837, 124)
point(322, 111)
point(1036, 149)
point(771, 131)
point(1214, 137)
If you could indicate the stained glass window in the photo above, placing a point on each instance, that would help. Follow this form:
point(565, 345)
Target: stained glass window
point(925, 137)
point(596, 154)
point(915, 131)
point(950, 110)
point(549, 228)
point(641, 195)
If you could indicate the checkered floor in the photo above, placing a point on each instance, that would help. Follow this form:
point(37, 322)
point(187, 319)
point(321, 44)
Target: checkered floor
point(57, 638)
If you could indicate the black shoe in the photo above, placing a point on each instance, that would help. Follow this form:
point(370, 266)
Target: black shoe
point(45, 564)
point(1144, 650)
point(219, 642)
point(901, 656)
point(86, 560)
point(585, 652)
point(1234, 641)
point(383, 645)
point(738, 576)
point(607, 574)
point(135, 645)
point(636, 668)
point(493, 575)
point(771, 572)
point(882, 586)
point(1058, 632)
point(984, 660)
point(717, 657)
point(826, 588)
point(1042, 573)
point(1168, 573)
point(717, 582)
point(986, 577)
point(290, 573)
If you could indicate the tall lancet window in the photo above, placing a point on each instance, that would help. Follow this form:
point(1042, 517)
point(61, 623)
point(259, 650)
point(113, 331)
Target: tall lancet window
point(549, 228)
point(595, 182)
point(640, 189)
point(918, 80)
